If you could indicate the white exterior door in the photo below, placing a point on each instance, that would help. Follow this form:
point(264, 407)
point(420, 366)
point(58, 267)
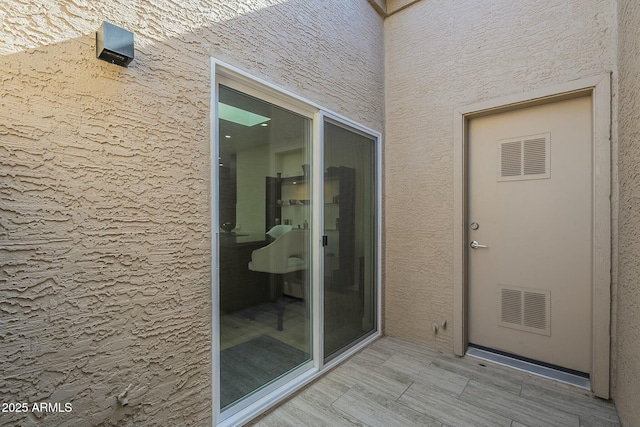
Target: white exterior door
point(530, 203)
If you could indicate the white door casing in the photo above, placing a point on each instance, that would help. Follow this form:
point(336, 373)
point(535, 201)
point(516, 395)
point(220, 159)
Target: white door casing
point(600, 90)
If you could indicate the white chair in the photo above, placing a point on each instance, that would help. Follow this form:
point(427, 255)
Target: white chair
point(288, 253)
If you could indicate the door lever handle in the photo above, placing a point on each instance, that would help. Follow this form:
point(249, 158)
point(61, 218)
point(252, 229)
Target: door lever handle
point(476, 245)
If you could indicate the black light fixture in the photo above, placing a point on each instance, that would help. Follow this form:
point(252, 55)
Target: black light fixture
point(114, 44)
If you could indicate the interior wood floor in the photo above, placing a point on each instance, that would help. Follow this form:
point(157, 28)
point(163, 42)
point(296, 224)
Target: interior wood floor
point(395, 383)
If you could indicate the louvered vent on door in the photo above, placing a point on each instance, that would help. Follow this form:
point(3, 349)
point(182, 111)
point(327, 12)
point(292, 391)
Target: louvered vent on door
point(524, 158)
point(535, 156)
point(511, 159)
point(525, 309)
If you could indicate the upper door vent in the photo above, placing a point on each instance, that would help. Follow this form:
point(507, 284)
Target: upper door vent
point(524, 158)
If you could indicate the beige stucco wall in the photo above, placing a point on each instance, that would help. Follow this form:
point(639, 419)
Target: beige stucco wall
point(380, 6)
point(104, 191)
point(443, 54)
point(395, 5)
point(628, 309)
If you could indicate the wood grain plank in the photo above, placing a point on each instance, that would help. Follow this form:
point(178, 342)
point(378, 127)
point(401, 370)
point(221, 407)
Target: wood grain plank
point(372, 379)
point(419, 352)
point(485, 373)
point(302, 411)
point(370, 357)
point(380, 411)
point(442, 407)
point(517, 408)
point(591, 410)
point(425, 373)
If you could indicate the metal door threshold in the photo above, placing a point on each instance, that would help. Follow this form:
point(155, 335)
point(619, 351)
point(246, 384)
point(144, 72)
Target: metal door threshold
point(531, 368)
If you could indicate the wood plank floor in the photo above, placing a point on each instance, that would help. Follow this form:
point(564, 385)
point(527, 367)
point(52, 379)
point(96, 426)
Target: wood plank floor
point(395, 383)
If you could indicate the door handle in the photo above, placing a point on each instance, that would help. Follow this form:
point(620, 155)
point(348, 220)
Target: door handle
point(476, 245)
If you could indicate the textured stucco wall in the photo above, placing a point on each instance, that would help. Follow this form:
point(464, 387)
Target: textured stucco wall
point(395, 5)
point(443, 54)
point(380, 6)
point(628, 309)
point(104, 188)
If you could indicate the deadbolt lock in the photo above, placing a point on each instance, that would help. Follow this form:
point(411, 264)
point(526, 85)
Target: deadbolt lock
point(475, 225)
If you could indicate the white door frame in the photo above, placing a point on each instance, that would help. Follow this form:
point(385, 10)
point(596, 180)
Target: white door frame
point(294, 381)
point(599, 87)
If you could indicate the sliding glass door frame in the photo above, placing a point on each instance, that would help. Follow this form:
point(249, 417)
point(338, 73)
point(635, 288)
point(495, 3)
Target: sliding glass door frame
point(317, 279)
point(234, 79)
point(354, 128)
point(285, 386)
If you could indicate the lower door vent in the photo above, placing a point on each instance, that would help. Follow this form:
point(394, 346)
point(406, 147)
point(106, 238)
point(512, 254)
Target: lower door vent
point(525, 309)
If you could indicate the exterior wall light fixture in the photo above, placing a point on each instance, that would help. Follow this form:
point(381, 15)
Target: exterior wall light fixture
point(114, 44)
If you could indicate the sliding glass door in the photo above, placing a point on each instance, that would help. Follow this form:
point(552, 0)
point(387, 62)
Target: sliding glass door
point(350, 230)
point(295, 255)
point(264, 213)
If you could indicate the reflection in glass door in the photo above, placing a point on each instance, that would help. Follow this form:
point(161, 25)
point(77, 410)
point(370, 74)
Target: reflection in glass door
point(350, 227)
point(264, 214)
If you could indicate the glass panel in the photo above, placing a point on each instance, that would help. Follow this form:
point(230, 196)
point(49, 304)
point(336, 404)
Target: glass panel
point(264, 215)
point(349, 224)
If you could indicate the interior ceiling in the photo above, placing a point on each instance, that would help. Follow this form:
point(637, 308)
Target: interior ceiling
point(284, 125)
